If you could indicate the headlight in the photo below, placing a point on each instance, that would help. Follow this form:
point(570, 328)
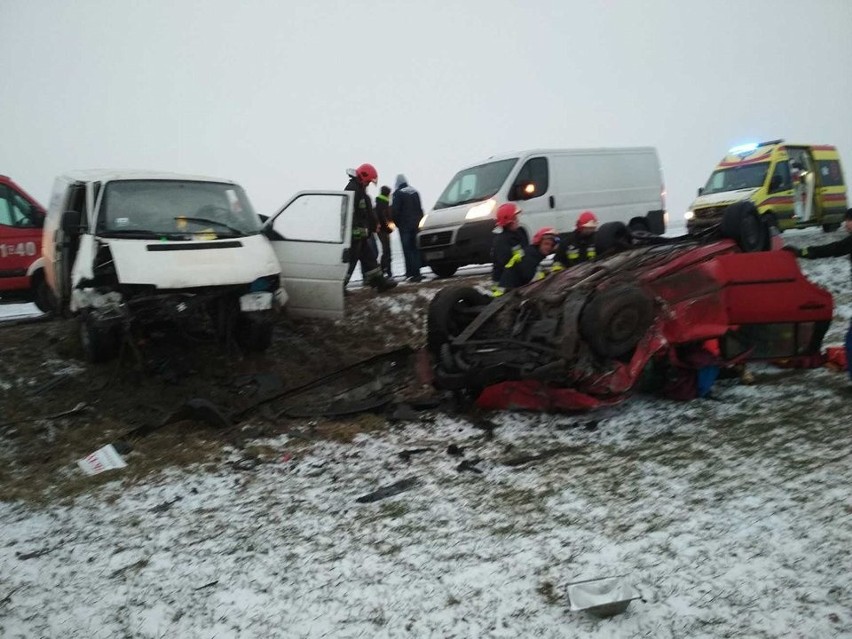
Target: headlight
point(483, 209)
point(688, 215)
point(422, 222)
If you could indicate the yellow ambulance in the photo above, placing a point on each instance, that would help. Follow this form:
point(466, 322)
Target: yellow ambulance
point(792, 185)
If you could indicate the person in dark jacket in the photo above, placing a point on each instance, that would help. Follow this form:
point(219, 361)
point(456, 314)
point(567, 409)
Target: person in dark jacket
point(363, 220)
point(522, 268)
point(509, 239)
point(407, 212)
point(384, 228)
point(578, 246)
point(834, 249)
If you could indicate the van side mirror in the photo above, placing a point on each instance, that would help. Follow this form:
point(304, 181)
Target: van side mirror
point(71, 223)
point(700, 190)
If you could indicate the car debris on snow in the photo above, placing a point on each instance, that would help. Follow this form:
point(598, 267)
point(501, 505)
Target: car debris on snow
point(389, 491)
point(602, 597)
point(103, 459)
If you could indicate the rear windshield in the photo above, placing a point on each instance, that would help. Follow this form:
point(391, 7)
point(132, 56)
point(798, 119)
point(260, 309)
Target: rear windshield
point(475, 184)
point(747, 176)
point(175, 208)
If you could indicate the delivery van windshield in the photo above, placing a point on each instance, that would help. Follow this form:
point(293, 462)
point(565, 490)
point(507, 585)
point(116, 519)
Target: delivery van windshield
point(175, 209)
point(476, 183)
point(747, 176)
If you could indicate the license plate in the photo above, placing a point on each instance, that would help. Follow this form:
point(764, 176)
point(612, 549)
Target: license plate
point(435, 255)
point(256, 301)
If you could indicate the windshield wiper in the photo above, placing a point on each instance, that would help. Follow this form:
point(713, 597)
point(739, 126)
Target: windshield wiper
point(136, 233)
point(205, 220)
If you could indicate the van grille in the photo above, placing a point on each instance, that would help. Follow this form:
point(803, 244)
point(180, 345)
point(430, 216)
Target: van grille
point(431, 240)
point(710, 212)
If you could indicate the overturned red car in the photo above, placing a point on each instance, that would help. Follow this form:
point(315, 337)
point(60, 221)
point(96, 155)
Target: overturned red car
point(586, 336)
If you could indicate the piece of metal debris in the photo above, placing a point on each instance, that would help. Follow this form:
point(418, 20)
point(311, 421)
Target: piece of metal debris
point(164, 506)
point(405, 455)
point(389, 491)
point(602, 597)
point(103, 459)
point(470, 465)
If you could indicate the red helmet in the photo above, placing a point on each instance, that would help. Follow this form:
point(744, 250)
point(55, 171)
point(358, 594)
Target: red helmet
point(507, 213)
point(587, 220)
point(542, 233)
point(367, 173)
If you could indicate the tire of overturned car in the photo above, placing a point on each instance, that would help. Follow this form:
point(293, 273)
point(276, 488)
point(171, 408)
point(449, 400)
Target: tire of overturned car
point(615, 319)
point(612, 235)
point(447, 318)
point(741, 222)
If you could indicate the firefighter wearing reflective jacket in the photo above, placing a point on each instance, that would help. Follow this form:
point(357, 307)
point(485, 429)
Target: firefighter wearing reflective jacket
point(363, 220)
point(577, 246)
point(509, 239)
point(525, 267)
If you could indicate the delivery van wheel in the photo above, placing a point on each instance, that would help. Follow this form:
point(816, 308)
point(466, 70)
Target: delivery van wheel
point(612, 236)
point(616, 319)
point(253, 336)
point(741, 223)
point(450, 311)
point(100, 343)
point(444, 270)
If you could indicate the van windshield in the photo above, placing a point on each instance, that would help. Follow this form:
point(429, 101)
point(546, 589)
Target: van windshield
point(747, 176)
point(475, 184)
point(175, 208)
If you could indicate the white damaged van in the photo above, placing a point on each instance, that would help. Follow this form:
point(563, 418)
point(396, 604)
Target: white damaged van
point(128, 249)
point(552, 187)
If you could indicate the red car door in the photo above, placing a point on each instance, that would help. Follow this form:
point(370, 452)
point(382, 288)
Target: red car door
point(21, 222)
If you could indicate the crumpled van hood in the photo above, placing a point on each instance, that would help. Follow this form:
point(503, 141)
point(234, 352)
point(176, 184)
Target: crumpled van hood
point(720, 199)
point(188, 264)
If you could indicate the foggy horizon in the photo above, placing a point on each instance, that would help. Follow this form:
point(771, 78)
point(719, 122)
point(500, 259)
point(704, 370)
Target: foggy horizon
point(283, 99)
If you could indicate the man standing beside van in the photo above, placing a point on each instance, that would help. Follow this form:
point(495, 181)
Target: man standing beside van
point(407, 212)
point(363, 220)
point(509, 239)
point(384, 228)
point(834, 249)
point(578, 246)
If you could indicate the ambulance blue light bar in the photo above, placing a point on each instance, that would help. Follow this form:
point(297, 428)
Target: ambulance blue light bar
point(742, 149)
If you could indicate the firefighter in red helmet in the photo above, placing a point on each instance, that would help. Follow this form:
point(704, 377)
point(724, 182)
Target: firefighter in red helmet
point(509, 239)
point(524, 267)
point(363, 220)
point(578, 246)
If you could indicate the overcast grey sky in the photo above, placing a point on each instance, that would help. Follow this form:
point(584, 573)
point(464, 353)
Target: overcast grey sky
point(284, 96)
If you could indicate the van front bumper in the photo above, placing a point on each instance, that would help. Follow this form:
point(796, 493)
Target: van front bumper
point(469, 243)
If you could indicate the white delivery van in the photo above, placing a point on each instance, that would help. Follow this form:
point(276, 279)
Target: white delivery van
point(128, 249)
point(552, 187)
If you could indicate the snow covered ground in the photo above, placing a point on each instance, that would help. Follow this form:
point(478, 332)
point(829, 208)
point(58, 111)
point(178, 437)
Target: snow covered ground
point(14, 311)
point(731, 517)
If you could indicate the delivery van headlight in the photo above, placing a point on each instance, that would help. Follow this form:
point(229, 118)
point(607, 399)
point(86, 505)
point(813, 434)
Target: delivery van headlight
point(483, 209)
point(422, 222)
point(689, 215)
